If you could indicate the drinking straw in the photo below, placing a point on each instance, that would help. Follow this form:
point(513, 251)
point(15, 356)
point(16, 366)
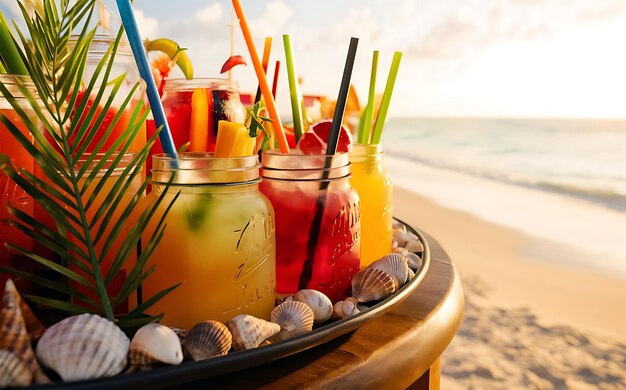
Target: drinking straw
point(331, 149)
point(275, 81)
point(132, 32)
point(384, 104)
point(294, 90)
point(9, 50)
point(260, 74)
point(266, 59)
point(364, 137)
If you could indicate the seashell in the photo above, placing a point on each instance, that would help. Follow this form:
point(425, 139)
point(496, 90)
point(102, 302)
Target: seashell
point(294, 318)
point(411, 275)
point(85, 346)
point(403, 237)
point(343, 309)
point(208, 339)
point(414, 246)
point(33, 326)
point(155, 343)
point(248, 331)
point(13, 371)
point(181, 333)
point(413, 260)
point(397, 225)
point(318, 302)
point(13, 333)
point(372, 285)
point(395, 265)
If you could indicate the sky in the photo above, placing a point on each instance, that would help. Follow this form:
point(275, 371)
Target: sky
point(461, 58)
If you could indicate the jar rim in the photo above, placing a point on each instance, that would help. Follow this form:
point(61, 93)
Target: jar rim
point(122, 164)
point(183, 84)
point(304, 167)
point(12, 83)
point(203, 168)
point(100, 45)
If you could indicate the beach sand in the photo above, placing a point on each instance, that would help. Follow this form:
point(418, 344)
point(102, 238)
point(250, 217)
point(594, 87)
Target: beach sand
point(531, 321)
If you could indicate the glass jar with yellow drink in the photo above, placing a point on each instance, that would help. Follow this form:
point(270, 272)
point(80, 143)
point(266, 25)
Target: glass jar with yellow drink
point(219, 240)
point(373, 184)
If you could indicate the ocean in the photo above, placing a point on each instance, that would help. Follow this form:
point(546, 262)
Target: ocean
point(579, 158)
point(562, 181)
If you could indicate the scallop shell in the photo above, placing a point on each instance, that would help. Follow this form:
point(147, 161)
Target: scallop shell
point(181, 333)
point(403, 237)
point(13, 333)
point(83, 347)
point(13, 371)
point(318, 302)
point(155, 343)
point(208, 339)
point(343, 309)
point(372, 285)
point(248, 331)
point(413, 260)
point(294, 318)
point(395, 265)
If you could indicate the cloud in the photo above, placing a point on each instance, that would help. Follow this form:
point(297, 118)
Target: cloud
point(148, 27)
point(12, 6)
point(602, 11)
point(273, 19)
point(210, 14)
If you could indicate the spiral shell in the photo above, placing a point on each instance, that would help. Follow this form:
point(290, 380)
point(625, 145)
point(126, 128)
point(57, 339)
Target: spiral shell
point(13, 333)
point(294, 318)
point(208, 339)
point(155, 343)
point(318, 302)
point(85, 346)
point(372, 285)
point(248, 331)
point(343, 309)
point(413, 260)
point(13, 371)
point(395, 265)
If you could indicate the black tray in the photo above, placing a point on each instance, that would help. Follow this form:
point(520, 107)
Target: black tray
point(189, 372)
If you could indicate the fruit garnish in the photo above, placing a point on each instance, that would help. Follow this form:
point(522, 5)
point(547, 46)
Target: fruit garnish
point(174, 51)
point(233, 140)
point(232, 62)
point(315, 140)
point(199, 127)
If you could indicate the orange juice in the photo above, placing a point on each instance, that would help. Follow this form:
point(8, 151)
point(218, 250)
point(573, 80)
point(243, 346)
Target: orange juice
point(219, 241)
point(373, 184)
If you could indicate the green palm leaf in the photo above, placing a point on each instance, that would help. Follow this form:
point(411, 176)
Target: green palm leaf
point(86, 194)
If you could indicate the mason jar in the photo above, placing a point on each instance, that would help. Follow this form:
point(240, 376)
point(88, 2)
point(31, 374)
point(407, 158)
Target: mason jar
point(194, 107)
point(10, 192)
point(219, 240)
point(318, 236)
point(372, 182)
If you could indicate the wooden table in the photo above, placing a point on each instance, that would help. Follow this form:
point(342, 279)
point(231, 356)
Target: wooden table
point(397, 350)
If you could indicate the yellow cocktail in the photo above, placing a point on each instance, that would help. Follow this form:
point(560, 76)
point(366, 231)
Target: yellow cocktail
point(219, 241)
point(373, 184)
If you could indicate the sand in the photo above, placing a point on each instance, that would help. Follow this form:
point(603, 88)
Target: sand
point(533, 318)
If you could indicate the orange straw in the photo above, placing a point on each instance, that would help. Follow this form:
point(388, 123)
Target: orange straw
point(260, 74)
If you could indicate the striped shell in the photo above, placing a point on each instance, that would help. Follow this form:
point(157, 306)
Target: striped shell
point(155, 343)
point(343, 309)
point(294, 318)
point(13, 333)
point(318, 302)
point(413, 260)
point(248, 331)
point(208, 339)
point(85, 346)
point(372, 285)
point(13, 371)
point(395, 265)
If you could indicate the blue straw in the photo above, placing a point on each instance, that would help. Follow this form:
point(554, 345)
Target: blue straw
point(132, 32)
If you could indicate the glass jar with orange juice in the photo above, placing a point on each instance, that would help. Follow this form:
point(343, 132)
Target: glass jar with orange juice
point(219, 240)
point(373, 184)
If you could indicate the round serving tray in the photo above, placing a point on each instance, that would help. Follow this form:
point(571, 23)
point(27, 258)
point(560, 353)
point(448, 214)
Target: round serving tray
point(189, 372)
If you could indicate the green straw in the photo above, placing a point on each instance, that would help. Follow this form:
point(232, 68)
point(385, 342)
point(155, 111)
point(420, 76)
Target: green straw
point(9, 50)
point(2, 70)
point(294, 91)
point(364, 134)
point(384, 104)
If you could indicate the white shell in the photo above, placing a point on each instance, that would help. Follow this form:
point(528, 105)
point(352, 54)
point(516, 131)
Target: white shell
point(155, 343)
point(318, 302)
point(395, 265)
point(294, 318)
point(343, 309)
point(248, 331)
point(83, 347)
point(403, 237)
point(413, 260)
point(372, 285)
point(208, 339)
point(397, 225)
point(13, 371)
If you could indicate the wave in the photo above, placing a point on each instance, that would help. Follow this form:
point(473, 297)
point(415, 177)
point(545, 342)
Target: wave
point(604, 196)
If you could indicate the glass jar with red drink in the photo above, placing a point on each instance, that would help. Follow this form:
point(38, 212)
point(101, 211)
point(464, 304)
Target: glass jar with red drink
point(318, 234)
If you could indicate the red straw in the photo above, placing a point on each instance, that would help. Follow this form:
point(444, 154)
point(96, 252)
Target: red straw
point(260, 74)
point(275, 83)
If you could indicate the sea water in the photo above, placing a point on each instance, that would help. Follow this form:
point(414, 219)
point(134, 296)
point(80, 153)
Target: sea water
point(560, 180)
